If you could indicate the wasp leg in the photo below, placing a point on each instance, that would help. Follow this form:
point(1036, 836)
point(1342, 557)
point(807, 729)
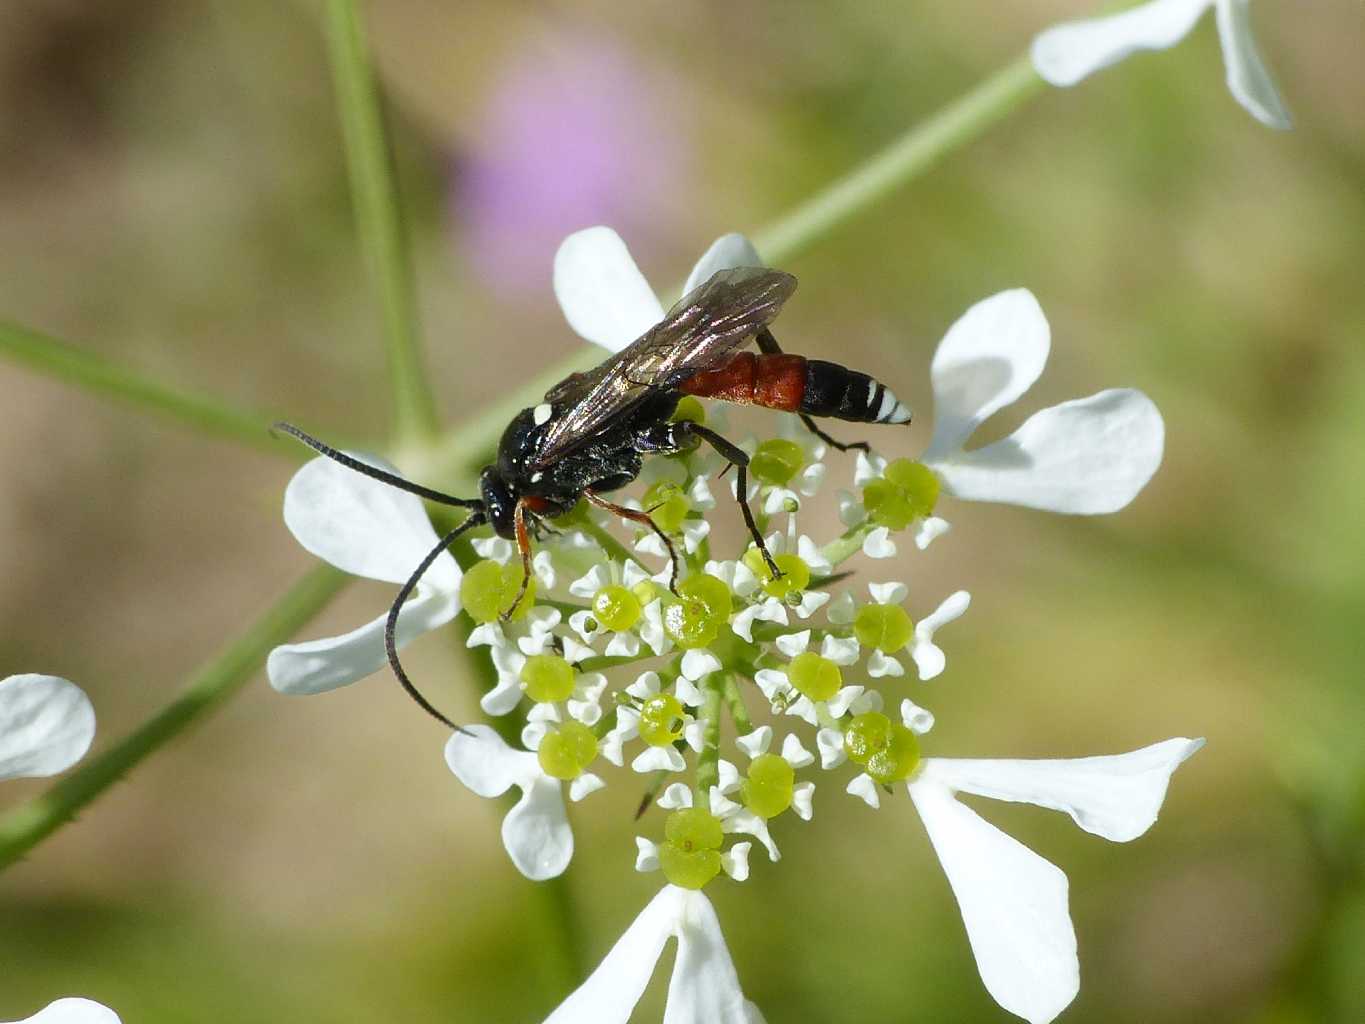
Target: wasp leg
point(636, 516)
point(524, 546)
point(767, 343)
point(391, 623)
point(685, 434)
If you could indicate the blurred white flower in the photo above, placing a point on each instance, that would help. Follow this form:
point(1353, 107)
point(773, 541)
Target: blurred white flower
point(46, 726)
point(704, 988)
point(536, 830)
point(1013, 902)
point(73, 1011)
point(1069, 52)
point(366, 528)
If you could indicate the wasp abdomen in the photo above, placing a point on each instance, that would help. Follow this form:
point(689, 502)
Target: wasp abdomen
point(796, 384)
point(834, 390)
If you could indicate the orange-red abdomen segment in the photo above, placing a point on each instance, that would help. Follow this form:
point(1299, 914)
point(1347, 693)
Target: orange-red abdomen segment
point(773, 380)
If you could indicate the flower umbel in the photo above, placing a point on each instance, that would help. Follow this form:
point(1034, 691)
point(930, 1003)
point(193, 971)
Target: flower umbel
point(606, 662)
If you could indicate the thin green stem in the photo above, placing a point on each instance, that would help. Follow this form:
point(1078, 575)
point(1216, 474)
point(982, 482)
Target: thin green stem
point(734, 702)
point(57, 359)
point(25, 826)
point(907, 158)
point(708, 761)
point(379, 219)
point(848, 544)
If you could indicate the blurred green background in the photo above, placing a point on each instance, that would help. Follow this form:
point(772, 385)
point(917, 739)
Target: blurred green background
point(173, 196)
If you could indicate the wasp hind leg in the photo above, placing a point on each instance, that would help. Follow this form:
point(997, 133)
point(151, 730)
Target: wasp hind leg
point(644, 518)
point(767, 343)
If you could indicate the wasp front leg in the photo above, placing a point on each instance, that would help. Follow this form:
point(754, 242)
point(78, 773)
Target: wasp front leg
point(683, 435)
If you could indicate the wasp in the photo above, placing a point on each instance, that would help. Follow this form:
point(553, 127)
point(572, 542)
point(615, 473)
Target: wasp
point(589, 436)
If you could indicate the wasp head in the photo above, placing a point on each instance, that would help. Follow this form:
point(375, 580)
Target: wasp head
point(499, 503)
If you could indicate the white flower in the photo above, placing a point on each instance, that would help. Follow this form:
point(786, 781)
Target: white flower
point(1067, 53)
point(1087, 456)
point(704, 988)
point(1013, 902)
point(46, 726)
point(928, 657)
point(73, 1011)
point(536, 831)
point(366, 528)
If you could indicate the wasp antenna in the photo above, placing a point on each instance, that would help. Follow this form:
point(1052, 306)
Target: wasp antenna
point(392, 479)
point(391, 624)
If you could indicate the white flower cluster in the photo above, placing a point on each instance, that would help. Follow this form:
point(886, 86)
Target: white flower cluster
point(822, 658)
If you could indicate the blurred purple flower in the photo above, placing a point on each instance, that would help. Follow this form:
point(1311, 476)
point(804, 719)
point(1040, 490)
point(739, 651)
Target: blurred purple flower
point(575, 132)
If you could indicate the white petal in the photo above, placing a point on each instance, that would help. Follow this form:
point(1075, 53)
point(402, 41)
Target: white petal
point(929, 659)
point(704, 988)
point(543, 569)
point(686, 691)
point(811, 478)
point(611, 992)
point(929, 530)
point(770, 610)
point(504, 697)
point(720, 805)
point(792, 644)
point(794, 753)
point(1087, 457)
point(726, 252)
point(585, 784)
point(699, 495)
point(697, 664)
point(1248, 78)
point(1013, 903)
point(843, 700)
point(694, 733)
point(756, 742)
point(316, 666)
point(646, 685)
point(851, 510)
point(536, 831)
point(364, 527)
point(574, 652)
point(803, 707)
point(988, 358)
point(646, 854)
point(811, 602)
point(486, 764)
point(830, 743)
point(810, 554)
point(840, 650)
point(865, 790)
point(605, 298)
point(1067, 53)
point(1116, 797)
point(494, 548)
point(73, 1011)
point(878, 544)
point(590, 582)
point(803, 797)
point(532, 733)
point(777, 499)
point(880, 665)
point(842, 610)
point(750, 824)
point(867, 467)
point(735, 861)
point(888, 593)
point(675, 796)
point(46, 725)
point(868, 700)
point(694, 531)
point(658, 759)
point(773, 683)
point(727, 776)
point(915, 718)
point(623, 645)
point(487, 634)
point(652, 544)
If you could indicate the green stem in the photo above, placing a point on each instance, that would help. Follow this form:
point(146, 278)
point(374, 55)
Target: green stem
point(25, 826)
point(379, 219)
point(915, 152)
point(708, 761)
point(848, 544)
point(734, 701)
point(71, 365)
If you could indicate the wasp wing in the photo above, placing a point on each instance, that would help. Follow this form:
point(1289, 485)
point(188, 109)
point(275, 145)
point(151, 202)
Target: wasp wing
point(706, 325)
